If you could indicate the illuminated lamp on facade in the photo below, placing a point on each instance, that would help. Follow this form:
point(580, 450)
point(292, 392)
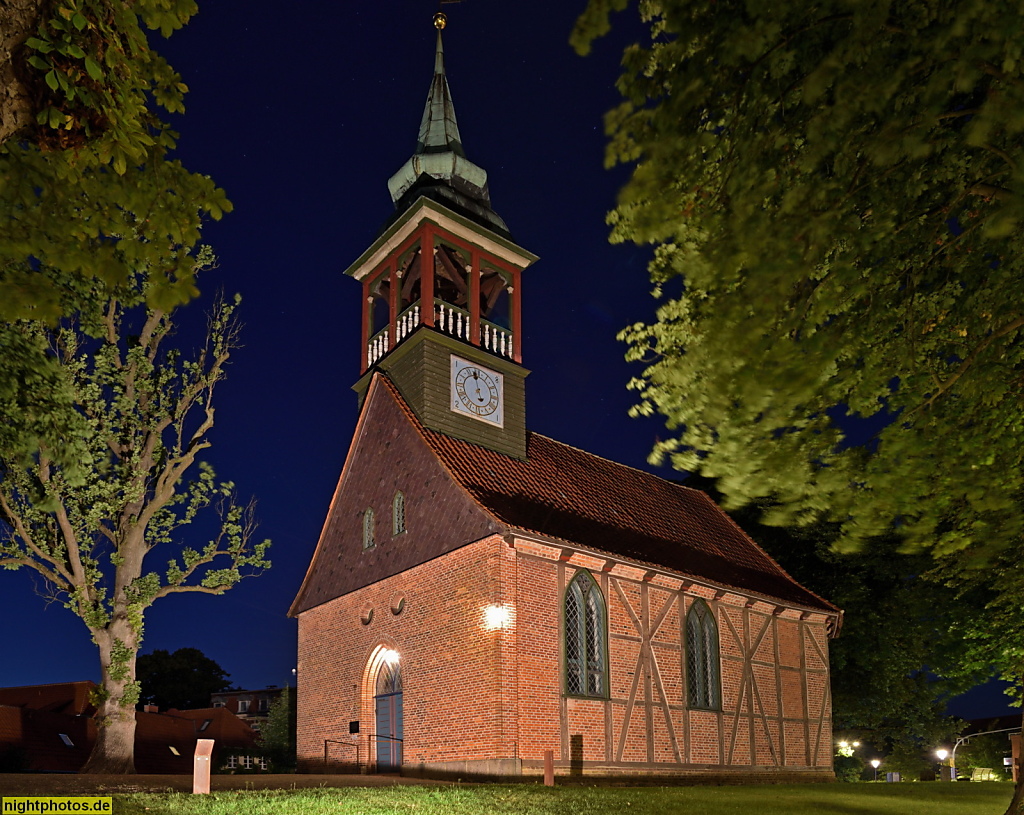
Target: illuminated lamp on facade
point(496, 617)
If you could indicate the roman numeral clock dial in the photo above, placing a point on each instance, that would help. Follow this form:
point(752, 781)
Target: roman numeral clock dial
point(477, 392)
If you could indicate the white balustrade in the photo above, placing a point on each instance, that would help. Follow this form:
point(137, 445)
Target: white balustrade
point(447, 319)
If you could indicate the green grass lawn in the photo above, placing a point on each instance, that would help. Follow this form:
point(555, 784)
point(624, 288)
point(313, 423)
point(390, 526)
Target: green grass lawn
point(846, 799)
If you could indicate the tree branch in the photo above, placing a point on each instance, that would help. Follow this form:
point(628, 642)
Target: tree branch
point(62, 577)
point(944, 386)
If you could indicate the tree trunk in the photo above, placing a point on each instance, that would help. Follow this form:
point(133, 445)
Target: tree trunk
point(1016, 806)
point(18, 21)
point(114, 750)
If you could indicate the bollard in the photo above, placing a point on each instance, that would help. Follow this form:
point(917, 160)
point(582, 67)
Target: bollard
point(549, 768)
point(201, 767)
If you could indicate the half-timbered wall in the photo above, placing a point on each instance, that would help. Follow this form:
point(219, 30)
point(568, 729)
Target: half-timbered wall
point(775, 715)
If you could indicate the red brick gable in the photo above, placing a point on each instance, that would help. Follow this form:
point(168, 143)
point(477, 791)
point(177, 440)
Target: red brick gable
point(389, 453)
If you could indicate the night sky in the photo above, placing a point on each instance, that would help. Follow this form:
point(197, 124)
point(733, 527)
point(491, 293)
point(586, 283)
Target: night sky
point(302, 112)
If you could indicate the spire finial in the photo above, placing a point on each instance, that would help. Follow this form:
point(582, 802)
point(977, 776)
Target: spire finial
point(439, 167)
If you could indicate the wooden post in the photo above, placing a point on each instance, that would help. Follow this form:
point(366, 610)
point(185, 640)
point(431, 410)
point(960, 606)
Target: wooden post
point(549, 768)
point(1015, 747)
point(201, 767)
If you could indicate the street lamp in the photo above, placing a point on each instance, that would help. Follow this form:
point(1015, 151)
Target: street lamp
point(942, 753)
point(874, 763)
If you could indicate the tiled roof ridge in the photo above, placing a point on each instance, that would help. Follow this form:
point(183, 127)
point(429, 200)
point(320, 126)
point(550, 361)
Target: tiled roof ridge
point(764, 551)
point(50, 684)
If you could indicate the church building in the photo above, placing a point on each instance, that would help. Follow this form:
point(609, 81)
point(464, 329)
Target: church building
point(481, 594)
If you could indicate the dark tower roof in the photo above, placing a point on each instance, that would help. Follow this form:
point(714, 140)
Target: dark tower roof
point(439, 169)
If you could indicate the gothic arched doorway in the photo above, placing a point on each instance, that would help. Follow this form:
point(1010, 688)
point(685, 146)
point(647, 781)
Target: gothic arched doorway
point(387, 708)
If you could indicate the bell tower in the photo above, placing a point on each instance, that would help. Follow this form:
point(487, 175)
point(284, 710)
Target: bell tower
point(442, 292)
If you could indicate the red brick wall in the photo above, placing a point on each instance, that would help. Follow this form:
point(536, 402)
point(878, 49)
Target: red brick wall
point(472, 694)
point(454, 706)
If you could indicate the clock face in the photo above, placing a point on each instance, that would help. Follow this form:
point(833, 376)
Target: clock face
point(477, 392)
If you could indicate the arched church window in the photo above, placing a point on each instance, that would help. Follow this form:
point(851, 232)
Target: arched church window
point(703, 678)
point(389, 679)
point(368, 524)
point(585, 638)
point(398, 513)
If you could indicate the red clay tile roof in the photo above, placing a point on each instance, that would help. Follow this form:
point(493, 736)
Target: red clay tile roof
point(565, 493)
point(61, 697)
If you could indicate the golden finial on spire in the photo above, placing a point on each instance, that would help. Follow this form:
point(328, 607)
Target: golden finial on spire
point(440, 20)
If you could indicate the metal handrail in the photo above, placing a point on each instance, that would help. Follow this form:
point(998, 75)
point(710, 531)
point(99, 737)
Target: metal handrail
point(345, 744)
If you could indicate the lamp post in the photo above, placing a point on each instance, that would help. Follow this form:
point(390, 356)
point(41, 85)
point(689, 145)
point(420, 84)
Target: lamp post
point(874, 764)
point(942, 753)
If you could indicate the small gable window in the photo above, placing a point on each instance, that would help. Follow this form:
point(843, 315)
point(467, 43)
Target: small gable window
point(368, 522)
point(703, 680)
point(398, 513)
point(585, 638)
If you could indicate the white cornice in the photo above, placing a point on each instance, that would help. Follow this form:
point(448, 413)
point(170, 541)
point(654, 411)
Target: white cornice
point(427, 210)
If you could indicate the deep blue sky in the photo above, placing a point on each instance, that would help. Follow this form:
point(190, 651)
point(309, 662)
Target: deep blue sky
point(302, 112)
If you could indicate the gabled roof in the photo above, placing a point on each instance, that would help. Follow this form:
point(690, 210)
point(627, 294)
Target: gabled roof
point(72, 698)
point(567, 494)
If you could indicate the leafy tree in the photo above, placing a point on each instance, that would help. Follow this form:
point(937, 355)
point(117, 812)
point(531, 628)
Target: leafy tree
point(184, 680)
point(835, 196)
point(139, 413)
point(85, 183)
point(278, 734)
point(986, 751)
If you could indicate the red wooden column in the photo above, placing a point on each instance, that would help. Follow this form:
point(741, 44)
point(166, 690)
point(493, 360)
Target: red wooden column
point(517, 316)
point(365, 349)
point(427, 275)
point(474, 296)
point(393, 302)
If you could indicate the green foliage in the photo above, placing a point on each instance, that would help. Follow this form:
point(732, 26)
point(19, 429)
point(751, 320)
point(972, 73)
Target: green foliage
point(185, 679)
point(836, 188)
point(984, 751)
point(133, 417)
point(90, 190)
point(848, 768)
point(277, 736)
point(835, 195)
